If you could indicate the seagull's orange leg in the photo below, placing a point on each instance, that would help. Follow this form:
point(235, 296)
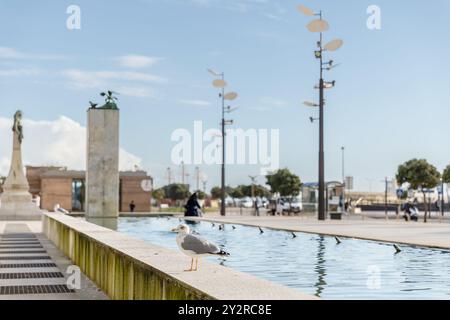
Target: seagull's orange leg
point(192, 265)
point(196, 264)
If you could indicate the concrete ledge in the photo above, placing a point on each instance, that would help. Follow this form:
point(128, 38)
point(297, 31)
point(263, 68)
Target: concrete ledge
point(128, 268)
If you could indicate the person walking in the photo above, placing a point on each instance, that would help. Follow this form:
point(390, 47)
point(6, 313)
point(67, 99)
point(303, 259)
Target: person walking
point(193, 207)
point(132, 206)
point(279, 208)
point(256, 208)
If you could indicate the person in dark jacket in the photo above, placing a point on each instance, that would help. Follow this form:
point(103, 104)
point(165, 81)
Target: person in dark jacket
point(193, 207)
point(132, 206)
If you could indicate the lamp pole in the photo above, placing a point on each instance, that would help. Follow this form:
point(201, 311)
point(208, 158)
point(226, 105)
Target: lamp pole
point(322, 214)
point(442, 199)
point(220, 83)
point(343, 180)
point(319, 26)
point(222, 193)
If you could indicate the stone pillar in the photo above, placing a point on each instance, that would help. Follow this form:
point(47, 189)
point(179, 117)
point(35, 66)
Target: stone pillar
point(102, 174)
point(16, 200)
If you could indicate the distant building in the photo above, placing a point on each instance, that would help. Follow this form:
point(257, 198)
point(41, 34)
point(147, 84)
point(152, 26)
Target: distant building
point(57, 185)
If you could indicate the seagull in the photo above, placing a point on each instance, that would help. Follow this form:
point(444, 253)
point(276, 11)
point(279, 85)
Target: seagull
point(212, 224)
point(261, 230)
point(222, 227)
point(397, 249)
point(293, 235)
point(195, 247)
point(234, 228)
point(93, 105)
point(338, 241)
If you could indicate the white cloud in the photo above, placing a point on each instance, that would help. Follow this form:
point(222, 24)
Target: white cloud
point(137, 61)
point(60, 142)
point(272, 102)
point(196, 103)
point(140, 92)
point(23, 72)
point(11, 53)
point(81, 79)
point(90, 79)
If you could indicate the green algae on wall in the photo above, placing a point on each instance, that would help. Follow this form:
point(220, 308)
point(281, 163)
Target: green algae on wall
point(118, 275)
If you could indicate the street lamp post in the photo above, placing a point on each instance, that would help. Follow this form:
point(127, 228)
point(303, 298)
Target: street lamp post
point(344, 184)
point(221, 84)
point(442, 199)
point(320, 26)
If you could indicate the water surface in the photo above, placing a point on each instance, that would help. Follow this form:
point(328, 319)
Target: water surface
point(315, 264)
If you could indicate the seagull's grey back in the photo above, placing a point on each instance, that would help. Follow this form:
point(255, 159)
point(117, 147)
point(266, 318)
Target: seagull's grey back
point(198, 245)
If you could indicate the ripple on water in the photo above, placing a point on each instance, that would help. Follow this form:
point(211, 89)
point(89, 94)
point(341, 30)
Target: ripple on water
point(315, 264)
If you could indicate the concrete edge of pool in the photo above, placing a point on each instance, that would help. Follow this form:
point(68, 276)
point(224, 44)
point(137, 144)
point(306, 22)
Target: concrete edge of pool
point(351, 234)
point(128, 268)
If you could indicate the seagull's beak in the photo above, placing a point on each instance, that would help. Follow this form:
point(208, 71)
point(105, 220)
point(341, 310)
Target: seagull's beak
point(175, 230)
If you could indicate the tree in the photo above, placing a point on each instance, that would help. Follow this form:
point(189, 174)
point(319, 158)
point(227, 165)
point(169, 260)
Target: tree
point(261, 191)
point(237, 193)
point(159, 194)
point(420, 175)
point(201, 195)
point(446, 175)
point(216, 192)
point(177, 191)
point(284, 182)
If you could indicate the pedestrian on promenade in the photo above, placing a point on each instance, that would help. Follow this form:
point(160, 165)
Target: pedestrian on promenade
point(256, 208)
point(279, 208)
point(132, 206)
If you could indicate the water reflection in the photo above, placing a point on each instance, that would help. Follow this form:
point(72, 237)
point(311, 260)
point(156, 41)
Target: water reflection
point(110, 223)
point(320, 267)
point(314, 264)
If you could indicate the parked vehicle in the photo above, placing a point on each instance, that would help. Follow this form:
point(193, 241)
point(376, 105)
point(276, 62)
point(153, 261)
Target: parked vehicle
point(247, 203)
point(292, 205)
point(296, 205)
point(265, 202)
point(272, 206)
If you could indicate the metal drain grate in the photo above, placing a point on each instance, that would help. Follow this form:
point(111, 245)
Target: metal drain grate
point(42, 289)
point(14, 236)
point(20, 247)
point(27, 265)
point(22, 252)
point(31, 275)
point(19, 242)
point(25, 258)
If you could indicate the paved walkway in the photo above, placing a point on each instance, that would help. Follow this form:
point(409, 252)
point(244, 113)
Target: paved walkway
point(436, 235)
point(33, 268)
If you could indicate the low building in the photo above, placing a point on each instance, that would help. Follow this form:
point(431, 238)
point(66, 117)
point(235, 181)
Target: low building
point(58, 185)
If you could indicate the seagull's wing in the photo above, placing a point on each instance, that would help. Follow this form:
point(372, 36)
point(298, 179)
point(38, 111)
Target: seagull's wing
point(199, 245)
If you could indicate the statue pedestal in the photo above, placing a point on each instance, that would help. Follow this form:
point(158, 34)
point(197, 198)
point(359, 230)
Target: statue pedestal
point(16, 202)
point(102, 174)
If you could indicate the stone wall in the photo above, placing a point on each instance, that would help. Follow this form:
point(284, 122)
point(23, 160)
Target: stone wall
point(131, 190)
point(56, 191)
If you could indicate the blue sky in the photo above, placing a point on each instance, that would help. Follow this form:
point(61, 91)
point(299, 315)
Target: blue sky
point(391, 102)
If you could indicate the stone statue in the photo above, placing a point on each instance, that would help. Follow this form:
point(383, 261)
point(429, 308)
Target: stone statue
point(17, 128)
point(16, 200)
point(110, 101)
